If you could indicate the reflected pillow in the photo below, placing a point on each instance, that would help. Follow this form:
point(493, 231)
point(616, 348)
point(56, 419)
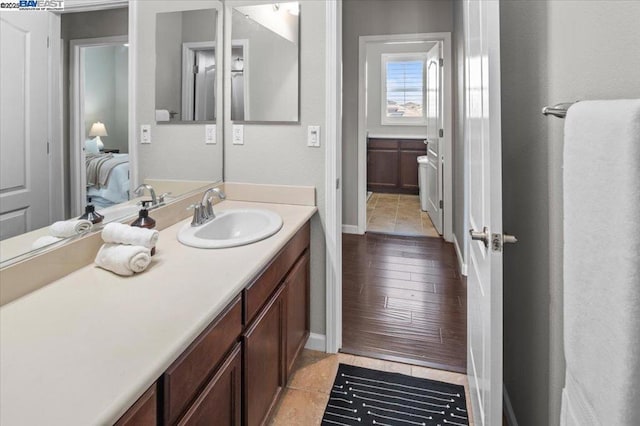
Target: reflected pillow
point(91, 147)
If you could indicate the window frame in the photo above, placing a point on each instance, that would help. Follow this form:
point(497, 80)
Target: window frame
point(385, 58)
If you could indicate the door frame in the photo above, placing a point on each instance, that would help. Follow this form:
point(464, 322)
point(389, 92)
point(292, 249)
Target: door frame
point(188, 84)
point(447, 111)
point(77, 173)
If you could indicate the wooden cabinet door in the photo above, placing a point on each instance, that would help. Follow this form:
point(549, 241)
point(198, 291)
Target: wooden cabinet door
point(382, 169)
point(409, 170)
point(263, 361)
point(220, 402)
point(297, 311)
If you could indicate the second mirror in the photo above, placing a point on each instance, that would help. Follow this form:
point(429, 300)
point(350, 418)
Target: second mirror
point(186, 66)
point(265, 66)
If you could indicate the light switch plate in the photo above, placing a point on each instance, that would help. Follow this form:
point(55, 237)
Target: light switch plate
point(210, 134)
point(145, 133)
point(238, 134)
point(313, 136)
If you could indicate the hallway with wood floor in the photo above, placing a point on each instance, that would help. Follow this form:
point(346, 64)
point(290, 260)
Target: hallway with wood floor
point(404, 300)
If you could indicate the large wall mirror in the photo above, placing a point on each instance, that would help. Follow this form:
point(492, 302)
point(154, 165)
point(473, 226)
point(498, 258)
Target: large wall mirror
point(186, 66)
point(71, 137)
point(265, 62)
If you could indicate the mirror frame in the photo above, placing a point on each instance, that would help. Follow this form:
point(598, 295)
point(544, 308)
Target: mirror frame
point(220, 59)
point(228, 19)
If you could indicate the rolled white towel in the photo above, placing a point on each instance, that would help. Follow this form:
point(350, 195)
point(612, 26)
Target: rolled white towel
point(69, 228)
point(123, 259)
point(130, 235)
point(44, 241)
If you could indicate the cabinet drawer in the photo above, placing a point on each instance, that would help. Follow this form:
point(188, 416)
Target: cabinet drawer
point(189, 372)
point(413, 145)
point(257, 293)
point(144, 412)
point(382, 144)
point(220, 401)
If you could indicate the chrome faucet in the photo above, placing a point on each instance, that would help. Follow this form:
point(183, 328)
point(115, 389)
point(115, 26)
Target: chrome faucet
point(140, 191)
point(203, 211)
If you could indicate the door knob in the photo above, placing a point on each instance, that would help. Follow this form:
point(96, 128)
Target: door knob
point(481, 236)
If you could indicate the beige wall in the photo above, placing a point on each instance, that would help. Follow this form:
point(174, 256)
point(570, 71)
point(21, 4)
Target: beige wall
point(278, 154)
point(552, 51)
point(177, 151)
point(375, 17)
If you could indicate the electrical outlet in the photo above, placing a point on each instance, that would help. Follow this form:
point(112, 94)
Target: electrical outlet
point(238, 134)
point(145, 133)
point(313, 136)
point(210, 134)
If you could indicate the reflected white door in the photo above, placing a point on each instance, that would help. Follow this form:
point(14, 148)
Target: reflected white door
point(433, 110)
point(483, 142)
point(24, 160)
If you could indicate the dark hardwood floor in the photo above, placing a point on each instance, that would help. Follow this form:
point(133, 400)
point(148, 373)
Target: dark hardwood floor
point(403, 300)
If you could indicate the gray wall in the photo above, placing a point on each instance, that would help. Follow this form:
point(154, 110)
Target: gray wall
point(278, 154)
point(375, 17)
point(177, 151)
point(552, 51)
point(80, 25)
point(105, 96)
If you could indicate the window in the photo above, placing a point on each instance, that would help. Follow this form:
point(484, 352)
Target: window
point(403, 85)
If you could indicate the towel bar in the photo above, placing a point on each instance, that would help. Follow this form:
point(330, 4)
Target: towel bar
point(558, 110)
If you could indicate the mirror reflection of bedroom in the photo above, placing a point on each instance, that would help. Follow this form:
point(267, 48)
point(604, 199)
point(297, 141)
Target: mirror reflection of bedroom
point(98, 118)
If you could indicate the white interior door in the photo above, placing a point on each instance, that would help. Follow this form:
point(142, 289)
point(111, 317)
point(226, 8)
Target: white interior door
point(433, 111)
point(483, 142)
point(24, 158)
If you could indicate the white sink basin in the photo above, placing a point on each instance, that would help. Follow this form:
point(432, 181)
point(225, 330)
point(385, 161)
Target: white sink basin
point(231, 228)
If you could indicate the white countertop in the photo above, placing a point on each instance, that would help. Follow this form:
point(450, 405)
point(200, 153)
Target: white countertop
point(81, 350)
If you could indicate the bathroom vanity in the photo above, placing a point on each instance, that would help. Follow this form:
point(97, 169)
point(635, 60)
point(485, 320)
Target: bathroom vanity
point(201, 335)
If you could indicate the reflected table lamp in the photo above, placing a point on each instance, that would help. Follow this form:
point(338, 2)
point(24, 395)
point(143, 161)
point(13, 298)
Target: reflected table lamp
point(98, 129)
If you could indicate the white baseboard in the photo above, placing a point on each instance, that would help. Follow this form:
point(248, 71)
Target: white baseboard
point(506, 403)
point(316, 342)
point(461, 263)
point(350, 229)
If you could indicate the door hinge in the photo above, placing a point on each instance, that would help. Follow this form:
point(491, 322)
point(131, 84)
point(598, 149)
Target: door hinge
point(195, 69)
point(47, 147)
point(47, 42)
point(338, 183)
point(441, 133)
point(441, 204)
point(441, 62)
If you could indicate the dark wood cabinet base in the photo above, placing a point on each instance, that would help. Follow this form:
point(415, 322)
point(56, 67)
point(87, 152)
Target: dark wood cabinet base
point(392, 165)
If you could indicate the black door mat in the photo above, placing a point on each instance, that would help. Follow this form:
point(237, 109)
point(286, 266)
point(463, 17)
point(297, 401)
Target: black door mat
point(361, 396)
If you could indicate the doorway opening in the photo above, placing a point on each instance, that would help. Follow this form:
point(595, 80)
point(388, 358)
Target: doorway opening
point(403, 298)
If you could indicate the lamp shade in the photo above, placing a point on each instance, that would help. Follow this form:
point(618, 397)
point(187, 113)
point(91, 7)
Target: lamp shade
point(98, 129)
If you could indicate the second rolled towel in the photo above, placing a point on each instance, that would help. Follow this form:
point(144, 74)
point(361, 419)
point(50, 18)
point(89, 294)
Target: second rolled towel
point(124, 234)
point(69, 228)
point(123, 259)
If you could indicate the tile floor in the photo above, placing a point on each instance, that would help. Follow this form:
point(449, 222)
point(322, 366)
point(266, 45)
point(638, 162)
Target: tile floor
point(306, 395)
point(398, 214)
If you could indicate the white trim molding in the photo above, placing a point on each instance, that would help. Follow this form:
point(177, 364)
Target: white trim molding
point(333, 175)
point(350, 229)
point(508, 408)
point(462, 263)
point(447, 111)
point(316, 342)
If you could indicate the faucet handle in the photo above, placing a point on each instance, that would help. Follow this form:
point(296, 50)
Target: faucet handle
point(162, 197)
point(197, 214)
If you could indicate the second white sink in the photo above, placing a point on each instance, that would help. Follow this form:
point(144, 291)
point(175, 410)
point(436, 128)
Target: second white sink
point(231, 228)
